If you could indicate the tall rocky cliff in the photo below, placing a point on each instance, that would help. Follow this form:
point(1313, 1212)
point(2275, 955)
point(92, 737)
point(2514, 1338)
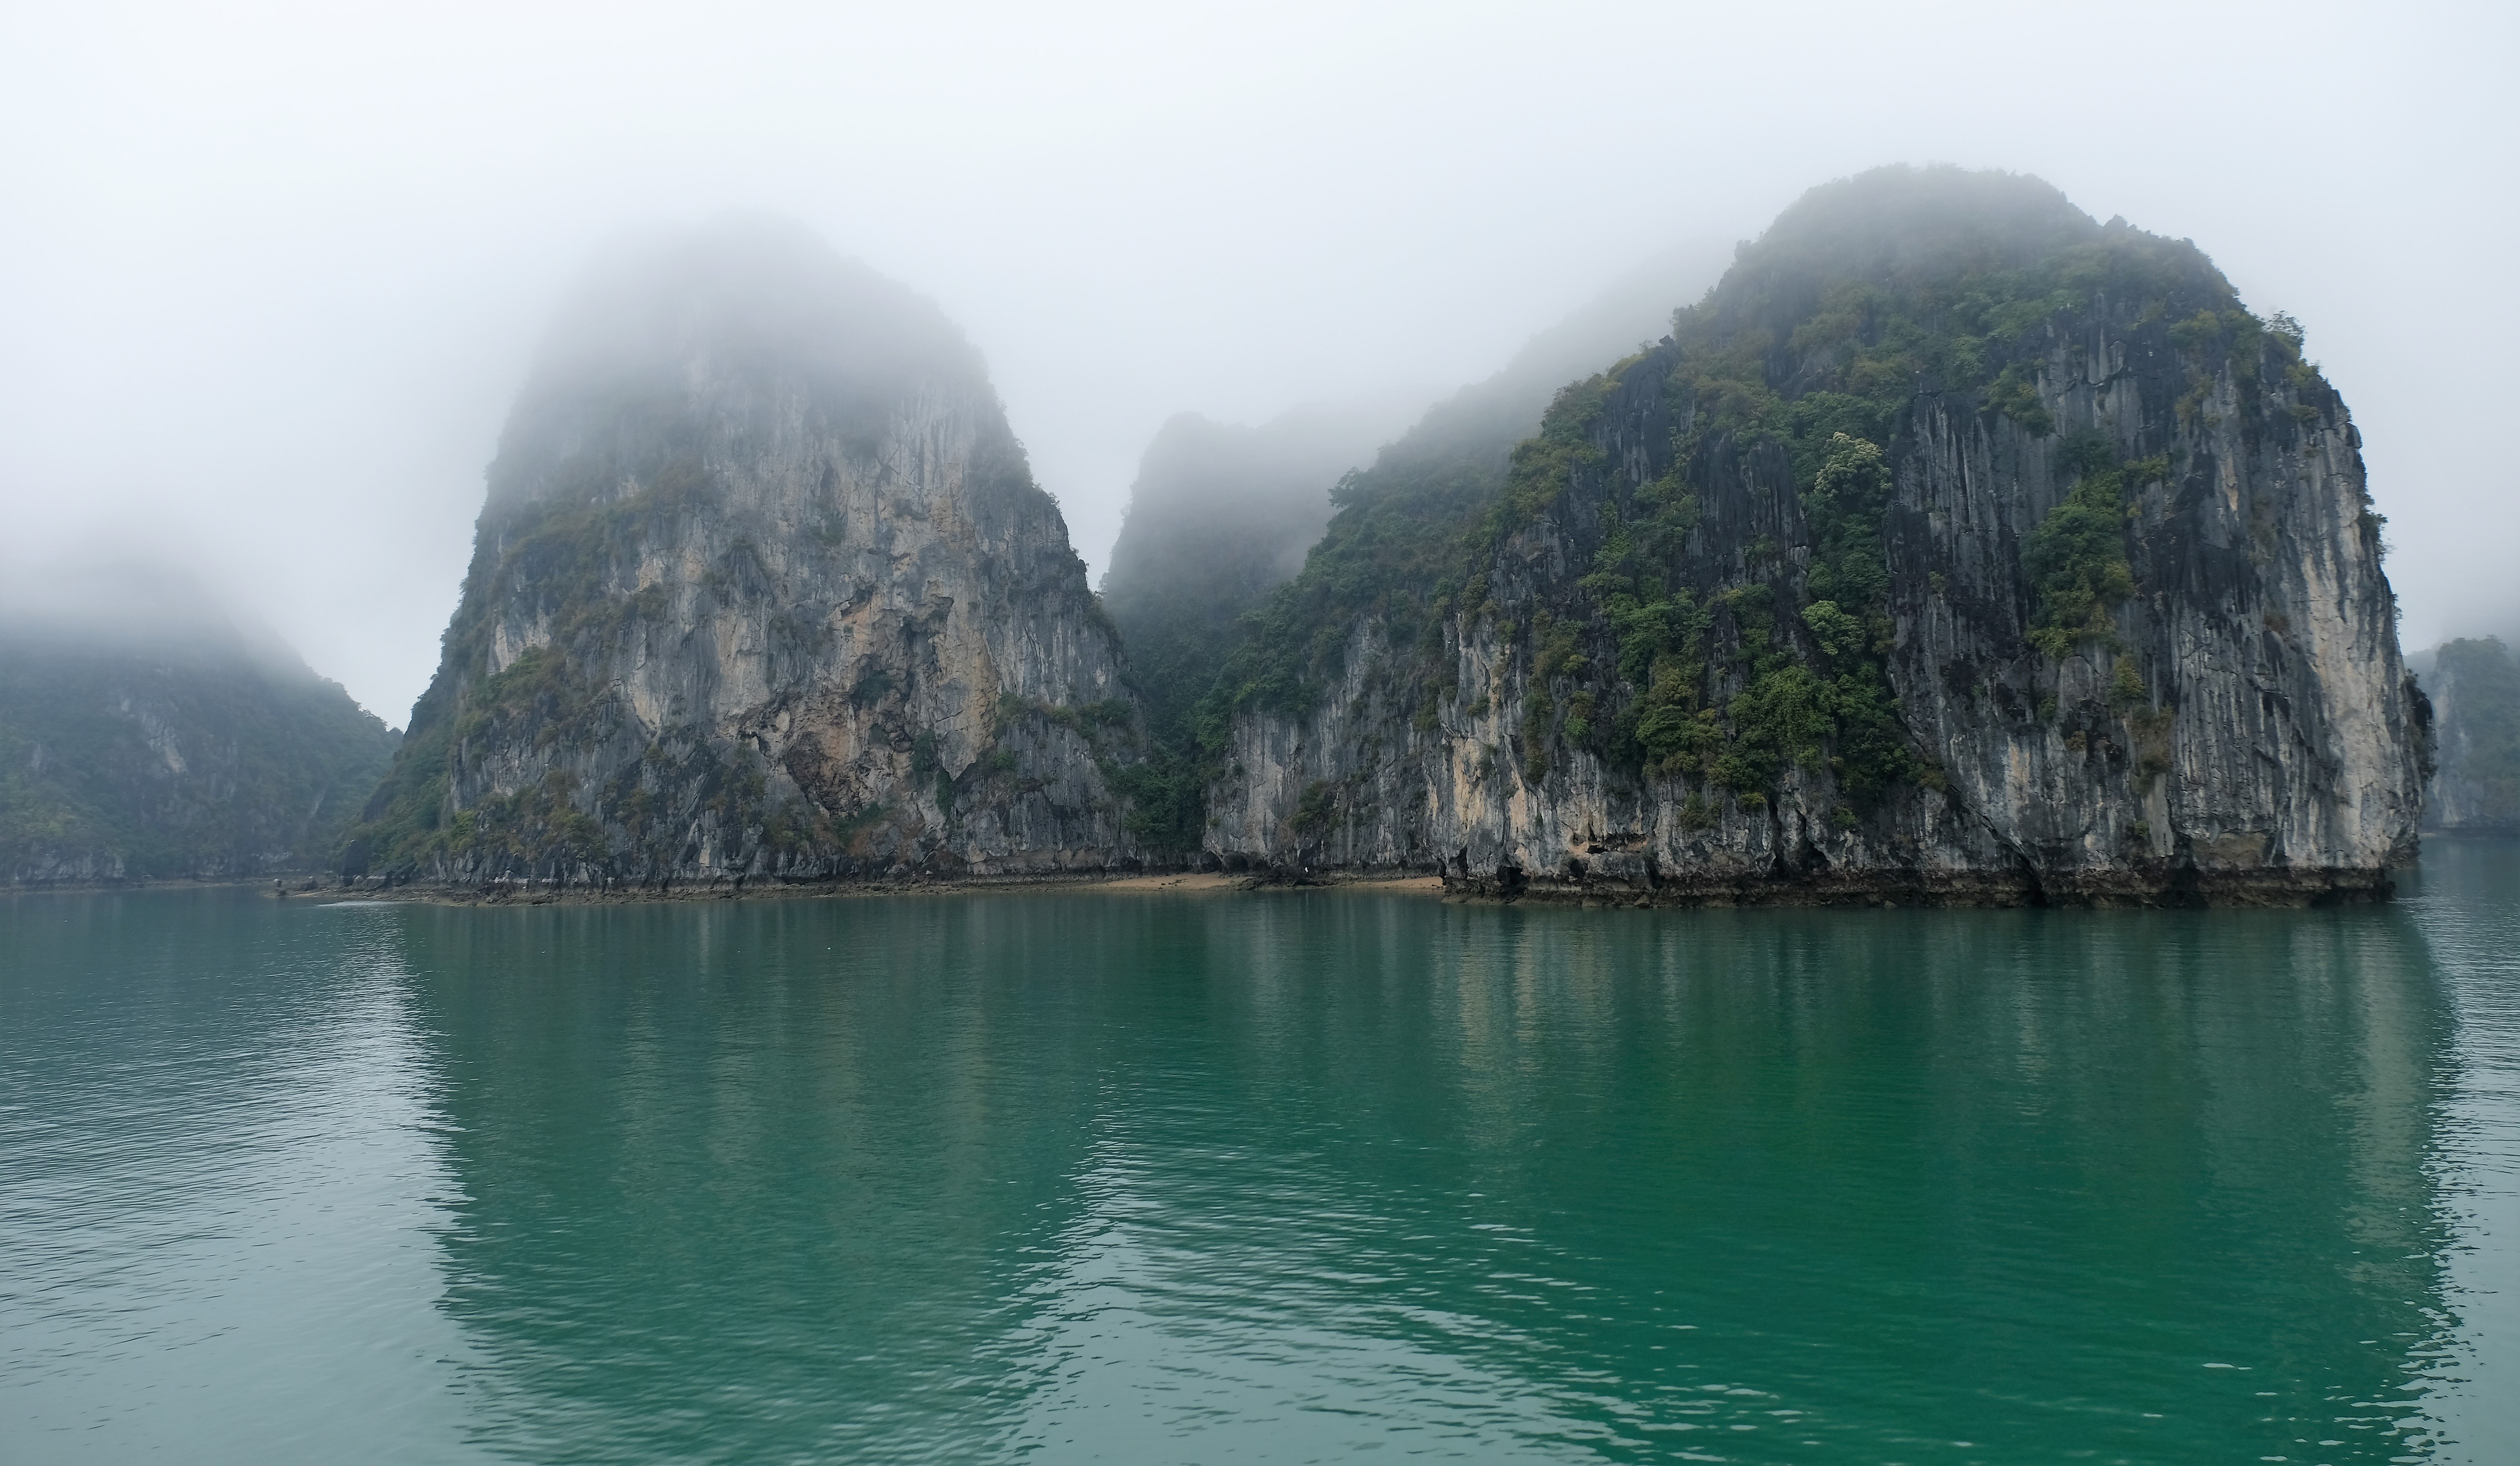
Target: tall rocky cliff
point(2475, 689)
point(1220, 514)
point(1955, 547)
point(145, 735)
point(763, 586)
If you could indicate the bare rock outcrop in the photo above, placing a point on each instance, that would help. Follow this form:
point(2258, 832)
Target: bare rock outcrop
point(763, 587)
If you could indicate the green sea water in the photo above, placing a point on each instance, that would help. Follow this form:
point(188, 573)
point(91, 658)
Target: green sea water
point(1270, 1176)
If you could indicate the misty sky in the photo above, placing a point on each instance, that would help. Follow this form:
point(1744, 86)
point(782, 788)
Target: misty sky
point(270, 272)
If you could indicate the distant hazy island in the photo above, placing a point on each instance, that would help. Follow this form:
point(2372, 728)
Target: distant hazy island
point(1953, 547)
point(144, 735)
point(2475, 687)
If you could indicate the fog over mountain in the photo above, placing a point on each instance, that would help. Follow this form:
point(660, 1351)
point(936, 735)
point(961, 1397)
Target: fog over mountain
point(1276, 477)
point(149, 731)
point(1221, 513)
point(110, 602)
point(270, 276)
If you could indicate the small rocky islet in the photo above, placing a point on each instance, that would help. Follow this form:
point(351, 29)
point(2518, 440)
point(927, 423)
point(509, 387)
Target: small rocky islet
point(1953, 547)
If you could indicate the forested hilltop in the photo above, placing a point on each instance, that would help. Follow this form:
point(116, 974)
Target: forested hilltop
point(1955, 545)
point(144, 735)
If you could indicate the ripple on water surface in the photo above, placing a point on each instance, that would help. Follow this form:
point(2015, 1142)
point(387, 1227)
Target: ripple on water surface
point(1272, 1177)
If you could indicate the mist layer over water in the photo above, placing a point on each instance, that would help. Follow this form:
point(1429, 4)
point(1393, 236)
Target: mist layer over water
point(1289, 1177)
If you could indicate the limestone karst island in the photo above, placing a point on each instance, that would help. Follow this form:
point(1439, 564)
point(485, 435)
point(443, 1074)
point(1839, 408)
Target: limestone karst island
point(1955, 547)
point(1833, 858)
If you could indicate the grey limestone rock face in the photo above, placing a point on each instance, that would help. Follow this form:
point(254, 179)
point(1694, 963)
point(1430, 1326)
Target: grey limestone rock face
point(763, 587)
point(2244, 729)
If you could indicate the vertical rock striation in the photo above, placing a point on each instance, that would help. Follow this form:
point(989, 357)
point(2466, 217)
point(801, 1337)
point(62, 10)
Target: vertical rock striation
point(1956, 546)
point(762, 587)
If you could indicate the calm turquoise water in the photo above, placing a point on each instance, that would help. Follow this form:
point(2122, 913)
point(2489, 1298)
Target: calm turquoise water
point(1271, 1177)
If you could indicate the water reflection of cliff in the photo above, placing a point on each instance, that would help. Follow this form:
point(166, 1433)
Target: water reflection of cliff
point(1943, 1174)
point(1091, 1175)
point(752, 1182)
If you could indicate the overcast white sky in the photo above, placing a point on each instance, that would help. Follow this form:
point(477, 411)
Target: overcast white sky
point(269, 272)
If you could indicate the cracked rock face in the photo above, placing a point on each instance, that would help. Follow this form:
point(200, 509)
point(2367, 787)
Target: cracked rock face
point(2241, 728)
point(763, 586)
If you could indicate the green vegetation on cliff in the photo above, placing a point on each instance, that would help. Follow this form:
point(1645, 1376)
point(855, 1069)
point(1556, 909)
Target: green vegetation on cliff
point(1218, 518)
point(1734, 602)
point(2076, 556)
point(1375, 558)
point(1799, 695)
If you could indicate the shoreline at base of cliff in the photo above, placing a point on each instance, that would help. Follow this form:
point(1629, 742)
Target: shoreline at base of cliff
point(2186, 889)
point(1992, 890)
point(1176, 883)
point(2311, 889)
